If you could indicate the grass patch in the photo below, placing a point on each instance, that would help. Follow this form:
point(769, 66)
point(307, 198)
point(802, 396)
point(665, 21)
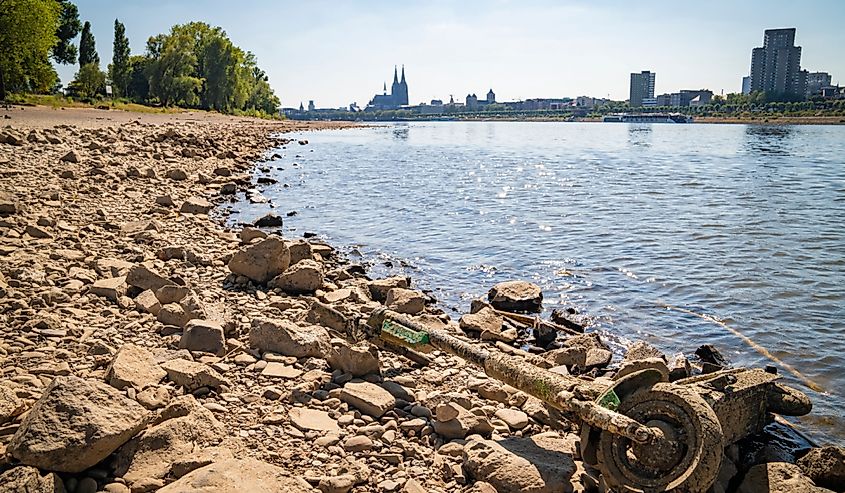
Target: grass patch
point(56, 101)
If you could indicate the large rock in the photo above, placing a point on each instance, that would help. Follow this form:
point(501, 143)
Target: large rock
point(173, 314)
point(112, 288)
point(487, 324)
point(540, 464)
point(11, 405)
point(825, 466)
point(454, 421)
point(133, 366)
point(25, 479)
point(192, 375)
point(516, 296)
point(184, 428)
point(305, 276)
point(285, 337)
point(195, 205)
point(75, 424)
point(312, 420)
point(147, 302)
point(300, 250)
point(327, 316)
point(368, 398)
point(380, 287)
point(269, 220)
point(238, 476)
point(583, 352)
point(204, 336)
point(778, 477)
point(403, 300)
point(143, 277)
point(261, 261)
point(358, 360)
point(9, 204)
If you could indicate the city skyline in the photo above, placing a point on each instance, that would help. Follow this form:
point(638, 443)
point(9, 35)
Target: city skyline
point(336, 54)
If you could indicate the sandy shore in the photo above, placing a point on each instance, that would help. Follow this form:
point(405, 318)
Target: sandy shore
point(146, 348)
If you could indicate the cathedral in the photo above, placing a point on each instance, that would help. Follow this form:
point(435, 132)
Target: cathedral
point(398, 96)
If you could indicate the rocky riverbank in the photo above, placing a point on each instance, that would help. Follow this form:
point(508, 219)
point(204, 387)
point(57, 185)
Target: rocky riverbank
point(147, 348)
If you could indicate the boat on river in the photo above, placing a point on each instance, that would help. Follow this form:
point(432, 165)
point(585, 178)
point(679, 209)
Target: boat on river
point(647, 118)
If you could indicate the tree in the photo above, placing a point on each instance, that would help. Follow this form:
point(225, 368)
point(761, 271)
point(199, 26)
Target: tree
point(138, 88)
point(120, 59)
point(64, 51)
point(171, 69)
point(198, 65)
point(87, 51)
point(89, 81)
point(27, 32)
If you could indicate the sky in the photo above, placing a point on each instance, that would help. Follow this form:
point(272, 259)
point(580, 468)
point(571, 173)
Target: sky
point(342, 51)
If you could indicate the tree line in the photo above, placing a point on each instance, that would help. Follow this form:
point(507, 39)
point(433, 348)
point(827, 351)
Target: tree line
point(194, 65)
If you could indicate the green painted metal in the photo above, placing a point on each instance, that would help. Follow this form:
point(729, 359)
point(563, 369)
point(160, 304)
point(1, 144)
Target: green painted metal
point(410, 337)
point(610, 400)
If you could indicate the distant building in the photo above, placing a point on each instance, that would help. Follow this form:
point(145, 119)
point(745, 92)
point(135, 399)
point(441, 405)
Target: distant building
point(642, 88)
point(589, 103)
point(398, 96)
point(776, 66)
point(831, 92)
point(746, 85)
point(816, 81)
point(311, 105)
point(472, 101)
point(685, 98)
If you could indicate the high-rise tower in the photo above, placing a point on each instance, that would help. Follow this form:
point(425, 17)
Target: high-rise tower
point(642, 87)
point(776, 66)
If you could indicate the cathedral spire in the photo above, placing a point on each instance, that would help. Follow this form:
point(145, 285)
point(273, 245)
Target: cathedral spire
point(403, 73)
point(385, 87)
point(395, 75)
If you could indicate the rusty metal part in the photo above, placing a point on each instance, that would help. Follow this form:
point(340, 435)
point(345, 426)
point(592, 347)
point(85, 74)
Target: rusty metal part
point(643, 433)
point(552, 388)
point(743, 400)
point(691, 463)
point(787, 401)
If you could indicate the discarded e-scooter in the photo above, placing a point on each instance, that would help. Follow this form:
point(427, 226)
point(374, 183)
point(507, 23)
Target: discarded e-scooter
point(641, 432)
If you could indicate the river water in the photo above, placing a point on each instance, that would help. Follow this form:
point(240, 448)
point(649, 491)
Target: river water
point(745, 224)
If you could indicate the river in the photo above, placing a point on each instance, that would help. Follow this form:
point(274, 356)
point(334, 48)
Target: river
point(744, 224)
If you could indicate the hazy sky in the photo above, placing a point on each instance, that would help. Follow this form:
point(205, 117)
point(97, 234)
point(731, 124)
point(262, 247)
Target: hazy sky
point(337, 52)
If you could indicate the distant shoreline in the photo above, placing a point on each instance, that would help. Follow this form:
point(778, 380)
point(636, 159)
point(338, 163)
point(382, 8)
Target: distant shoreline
point(784, 120)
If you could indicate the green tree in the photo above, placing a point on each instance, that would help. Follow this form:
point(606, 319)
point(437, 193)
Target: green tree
point(27, 33)
point(198, 65)
point(138, 88)
point(171, 69)
point(64, 51)
point(87, 50)
point(119, 70)
point(89, 81)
